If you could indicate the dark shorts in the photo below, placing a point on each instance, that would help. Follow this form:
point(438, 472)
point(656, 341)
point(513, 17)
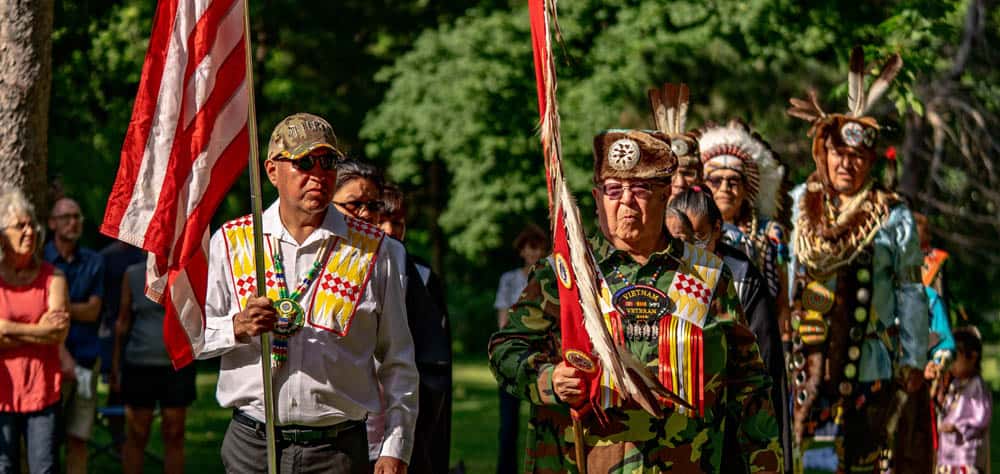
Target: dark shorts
point(145, 386)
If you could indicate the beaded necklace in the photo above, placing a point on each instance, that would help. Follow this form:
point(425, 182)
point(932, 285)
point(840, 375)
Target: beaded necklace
point(291, 316)
point(652, 279)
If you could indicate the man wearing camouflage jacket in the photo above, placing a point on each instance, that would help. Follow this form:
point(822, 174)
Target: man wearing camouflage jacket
point(643, 265)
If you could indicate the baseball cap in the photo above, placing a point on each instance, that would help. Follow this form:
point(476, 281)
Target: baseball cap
point(299, 134)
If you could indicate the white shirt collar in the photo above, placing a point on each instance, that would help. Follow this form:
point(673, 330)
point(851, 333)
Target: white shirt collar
point(334, 224)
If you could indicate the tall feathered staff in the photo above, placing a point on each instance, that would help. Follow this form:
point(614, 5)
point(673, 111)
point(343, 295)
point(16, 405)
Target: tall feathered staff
point(587, 343)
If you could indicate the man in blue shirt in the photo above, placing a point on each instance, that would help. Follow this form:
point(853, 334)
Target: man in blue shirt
point(84, 271)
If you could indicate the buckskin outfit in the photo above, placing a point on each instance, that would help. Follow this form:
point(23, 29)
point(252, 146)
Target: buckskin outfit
point(859, 315)
point(679, 314)
point(341, 307)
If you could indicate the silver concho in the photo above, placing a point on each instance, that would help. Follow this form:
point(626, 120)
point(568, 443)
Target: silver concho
point(623, 154)
point(863, 295)
point(679, 146)
point(853, 134)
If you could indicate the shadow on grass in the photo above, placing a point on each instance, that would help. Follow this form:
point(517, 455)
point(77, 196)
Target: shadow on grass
point(474, 425)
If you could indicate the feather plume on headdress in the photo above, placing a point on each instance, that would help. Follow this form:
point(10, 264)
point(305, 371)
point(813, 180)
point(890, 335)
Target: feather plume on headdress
point(669, 105)
point(856, 83)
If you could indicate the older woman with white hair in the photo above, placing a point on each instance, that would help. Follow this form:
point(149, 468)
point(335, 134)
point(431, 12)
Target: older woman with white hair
point(33, 324)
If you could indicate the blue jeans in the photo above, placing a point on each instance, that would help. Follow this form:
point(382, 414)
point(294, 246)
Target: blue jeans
point(40, 436)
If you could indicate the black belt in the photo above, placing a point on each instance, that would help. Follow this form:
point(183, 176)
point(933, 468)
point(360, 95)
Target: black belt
point(299, 434)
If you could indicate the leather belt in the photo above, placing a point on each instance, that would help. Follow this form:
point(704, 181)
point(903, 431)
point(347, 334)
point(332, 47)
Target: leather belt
point(299, 434)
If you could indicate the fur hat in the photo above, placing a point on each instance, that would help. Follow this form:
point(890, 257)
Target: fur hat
point(734, 146)
point(633, 154)
point(853, 129)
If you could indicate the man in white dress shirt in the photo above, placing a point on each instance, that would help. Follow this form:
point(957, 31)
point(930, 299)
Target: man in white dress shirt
point(335, 305)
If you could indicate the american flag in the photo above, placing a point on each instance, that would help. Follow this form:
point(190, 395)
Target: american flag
point(187, 142)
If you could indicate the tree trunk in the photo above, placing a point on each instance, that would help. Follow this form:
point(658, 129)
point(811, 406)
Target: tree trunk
point(25, 83)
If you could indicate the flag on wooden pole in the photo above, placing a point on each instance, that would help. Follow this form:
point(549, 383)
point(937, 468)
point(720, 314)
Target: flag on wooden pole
point(187, 142)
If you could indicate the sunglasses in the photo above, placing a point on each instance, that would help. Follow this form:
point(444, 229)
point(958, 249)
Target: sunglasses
point(306, 164)
point(641, 190)
point(373, 207)
point(716, 182)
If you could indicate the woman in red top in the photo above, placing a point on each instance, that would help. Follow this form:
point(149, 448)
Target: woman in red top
point(33, 324)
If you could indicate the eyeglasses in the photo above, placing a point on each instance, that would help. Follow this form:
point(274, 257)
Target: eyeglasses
point(306, 164)
point(641, 190)
point(68, 217)
point(21, 226)
point(373, 207)
point(715, 182)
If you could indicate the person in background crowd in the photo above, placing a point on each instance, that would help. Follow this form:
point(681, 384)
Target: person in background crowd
point(359, 190)
point(932, 271)
point(916, 434)
point(358, 194)
point(964, 417)
point(706, 232)
point(532, 244)
point(142, 373)
point(859, 318)
point(84, 271)
point(117, 256)
point(688, 174)
point(34, 320)
point(428, 318)
point(679, 225)
point(747, 182)
point(325, 340)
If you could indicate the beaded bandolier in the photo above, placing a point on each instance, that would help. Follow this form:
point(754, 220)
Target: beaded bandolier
point(341, 272)
point(832, 312)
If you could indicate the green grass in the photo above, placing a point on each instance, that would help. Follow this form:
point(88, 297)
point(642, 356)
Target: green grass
point(474, 422)
point(206, 425)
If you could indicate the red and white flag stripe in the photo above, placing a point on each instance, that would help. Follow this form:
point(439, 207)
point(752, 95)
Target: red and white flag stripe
point(186, 144)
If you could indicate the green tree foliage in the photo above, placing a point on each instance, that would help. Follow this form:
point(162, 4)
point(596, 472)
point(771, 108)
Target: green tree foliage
point(311, 55)
point(464, 97)
point(443, 94)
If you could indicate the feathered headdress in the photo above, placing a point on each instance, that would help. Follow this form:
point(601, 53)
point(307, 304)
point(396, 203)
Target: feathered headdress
point(669, 105)
point(734, 146)
point(853, 129)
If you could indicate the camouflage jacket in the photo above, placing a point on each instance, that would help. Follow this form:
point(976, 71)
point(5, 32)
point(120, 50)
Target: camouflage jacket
point(524, 354)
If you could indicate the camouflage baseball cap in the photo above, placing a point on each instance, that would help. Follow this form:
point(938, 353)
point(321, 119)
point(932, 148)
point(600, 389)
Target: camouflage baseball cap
point(299, 134)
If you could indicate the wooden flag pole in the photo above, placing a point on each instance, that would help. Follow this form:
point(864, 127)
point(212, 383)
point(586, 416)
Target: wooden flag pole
point(257, 205)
